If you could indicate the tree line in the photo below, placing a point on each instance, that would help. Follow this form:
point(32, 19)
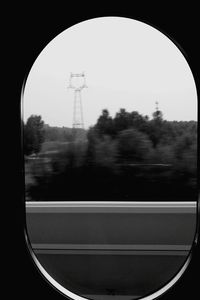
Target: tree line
point(125, 156)
point(137, 138)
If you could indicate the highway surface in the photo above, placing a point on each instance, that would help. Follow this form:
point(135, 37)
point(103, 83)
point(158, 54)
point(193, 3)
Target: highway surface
point(102, 249)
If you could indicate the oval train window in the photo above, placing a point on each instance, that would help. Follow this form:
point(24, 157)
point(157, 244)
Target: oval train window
point(110, 148)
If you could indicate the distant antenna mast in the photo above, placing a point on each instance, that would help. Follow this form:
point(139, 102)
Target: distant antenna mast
point(157, 106)
point(77, 83)
point(157, 115)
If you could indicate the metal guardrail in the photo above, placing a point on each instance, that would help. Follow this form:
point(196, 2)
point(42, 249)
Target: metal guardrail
point(111, 207)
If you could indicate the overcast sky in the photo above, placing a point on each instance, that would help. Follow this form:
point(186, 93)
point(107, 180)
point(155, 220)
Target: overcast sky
point(128, 64)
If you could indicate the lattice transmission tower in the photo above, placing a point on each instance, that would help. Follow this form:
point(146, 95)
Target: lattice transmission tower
point(77, 82)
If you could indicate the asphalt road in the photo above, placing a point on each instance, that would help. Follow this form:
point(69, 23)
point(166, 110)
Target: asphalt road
point(99, 251)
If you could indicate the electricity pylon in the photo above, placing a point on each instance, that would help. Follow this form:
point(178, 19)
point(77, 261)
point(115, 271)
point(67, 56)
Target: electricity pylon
point(77, 82)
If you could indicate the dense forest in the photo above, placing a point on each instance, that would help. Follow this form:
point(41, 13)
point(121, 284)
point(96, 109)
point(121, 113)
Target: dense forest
point(127, 157)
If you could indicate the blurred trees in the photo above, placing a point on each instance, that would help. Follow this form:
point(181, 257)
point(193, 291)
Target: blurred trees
point(185, 152)
point(105, 152)
point(129, 134)
point(61, 134)
point(33, 134)
point(134, 146)
point(158, 150)
point(104, 123)
point(128, 156)
point(139, 138)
